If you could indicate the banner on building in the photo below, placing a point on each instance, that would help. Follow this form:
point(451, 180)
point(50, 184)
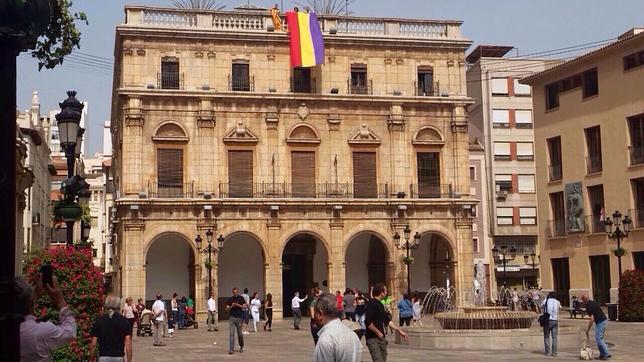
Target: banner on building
point(307, 44)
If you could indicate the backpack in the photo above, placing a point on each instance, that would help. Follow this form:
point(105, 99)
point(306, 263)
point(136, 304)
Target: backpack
point(544, 319)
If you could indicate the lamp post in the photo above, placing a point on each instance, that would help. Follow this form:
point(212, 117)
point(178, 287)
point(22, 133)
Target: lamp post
point(622, 228)
point(407, 246)
point(209, 250)
point(526, 259)
point(504, 254)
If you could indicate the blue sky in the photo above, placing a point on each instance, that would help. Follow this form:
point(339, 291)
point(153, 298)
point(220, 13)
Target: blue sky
point(529, 25)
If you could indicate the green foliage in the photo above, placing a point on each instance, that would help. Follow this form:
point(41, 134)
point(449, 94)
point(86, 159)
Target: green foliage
point(86, 215)
point(198, 4)
point(82, 286)
point(631, 296)
point(329, 7)
point(60, 38)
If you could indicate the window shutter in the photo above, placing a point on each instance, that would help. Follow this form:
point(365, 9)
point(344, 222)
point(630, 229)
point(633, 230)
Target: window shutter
point(429, 177)
point(364, 175)
point(500, 86)
point(169, 172)
point(240, 173)
point(303, 174)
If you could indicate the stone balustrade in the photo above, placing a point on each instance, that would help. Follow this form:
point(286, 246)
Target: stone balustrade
point(260, 21)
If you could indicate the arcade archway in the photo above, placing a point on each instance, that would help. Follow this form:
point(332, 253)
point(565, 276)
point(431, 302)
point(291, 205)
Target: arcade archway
point(433, 264)
point(365, 261)
point(169, 267)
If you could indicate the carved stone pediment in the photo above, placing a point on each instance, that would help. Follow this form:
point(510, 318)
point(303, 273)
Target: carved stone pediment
point(365, 136)
point(206, 119)
point(240, 134)
point(134, 117)
point(303, 133)
point(428, 136)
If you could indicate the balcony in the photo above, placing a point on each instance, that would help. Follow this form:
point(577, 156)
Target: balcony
point(555, 172)
point(427, 90)
point(594, 224)
point(637, 215)
point(171, 190)
point(170, 80)
point(594, 164)
point(359, 87)
point(556, 228)
point(241, 84)
point(637, 155)
point(430, 190)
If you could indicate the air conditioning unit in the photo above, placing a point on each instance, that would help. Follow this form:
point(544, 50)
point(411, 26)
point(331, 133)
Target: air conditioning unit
point(501, 194)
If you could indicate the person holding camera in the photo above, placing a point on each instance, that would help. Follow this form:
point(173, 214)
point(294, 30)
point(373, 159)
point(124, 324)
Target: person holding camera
point(39, 339)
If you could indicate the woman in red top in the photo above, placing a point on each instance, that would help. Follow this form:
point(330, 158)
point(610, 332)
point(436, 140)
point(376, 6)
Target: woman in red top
point(339, 301)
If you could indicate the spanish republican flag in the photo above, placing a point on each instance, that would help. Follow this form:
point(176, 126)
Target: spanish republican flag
point(307, 44)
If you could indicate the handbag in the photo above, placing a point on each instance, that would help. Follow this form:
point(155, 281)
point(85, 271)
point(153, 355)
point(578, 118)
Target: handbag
point(544, 319)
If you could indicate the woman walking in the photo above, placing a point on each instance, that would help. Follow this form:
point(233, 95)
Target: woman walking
point(417, 310)
point(361, 307)
point(268, 309)
point(255, 304)
point(128, 312)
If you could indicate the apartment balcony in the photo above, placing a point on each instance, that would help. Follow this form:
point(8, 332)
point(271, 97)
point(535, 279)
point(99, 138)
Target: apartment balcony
point(637, 155)
point(556, 228)
point(594, 164)
point(241, 84)
point(170, 80)
point(555, 172)
point(171, 190)
point(359, 88)
point(427, 90)
point(430, 190)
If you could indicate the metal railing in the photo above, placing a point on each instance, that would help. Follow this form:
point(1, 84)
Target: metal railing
point(360, 88)
point(556, 228)
point(302, 86)
point(169, 80)
point(594, 224)
point(555, 172)
point(241, 84)
point(427, 90)
point(171, 190)
point(637, 155)
point(303, 190)
point(430, 190)
point(637, 215)
point(594, 163)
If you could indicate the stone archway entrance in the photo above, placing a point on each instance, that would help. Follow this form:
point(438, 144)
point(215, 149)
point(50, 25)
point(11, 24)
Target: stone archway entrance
point(304, 266)
point(365, 261)
point(241, 265)
point(433, 264)
point(169, 268)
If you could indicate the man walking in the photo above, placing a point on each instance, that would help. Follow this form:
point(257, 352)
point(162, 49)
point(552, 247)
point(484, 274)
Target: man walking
point(158, 320)
point(375, 317)
point(235, 307)
point(551, 306)
point(246, 312)
point(212, 314)
point(349, 305)
point(297, 312)
point(598, 317)
point(113, 334)
point(336, 341)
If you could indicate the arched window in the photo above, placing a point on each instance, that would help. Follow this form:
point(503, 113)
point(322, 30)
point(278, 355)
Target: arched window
point(169, 139)
point(429, 142)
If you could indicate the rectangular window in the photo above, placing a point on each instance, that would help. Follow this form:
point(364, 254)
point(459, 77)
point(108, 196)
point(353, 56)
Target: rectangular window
point(502, 151)
point(636, 131)
point(358, 82)
point(240, 174)
point(596, 198)
point(429, 177)
point(525, 151)
point(426, 86)
point(472, 173)
point(501, 118)
point(552, 96)
point(301, 82)
point(303, 174)
point(499, 86)
point(503, 183)
point(634, 60)
point(594, 148)
point(638, 260)
point(638, 195)
point(561, 279)
point(526, 183)
point(555, 169)
point(170, 173)
point(528, 215)
point(591, 83)
point(169, 77)
point(600, 273)
point(475, 244)
point(240, 79)
point(523, 118)
point(364, 175)
point(558, 227)
point(504, 216)
point(521, 89)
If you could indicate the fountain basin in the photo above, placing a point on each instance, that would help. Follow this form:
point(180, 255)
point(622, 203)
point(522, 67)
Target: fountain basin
point(486, 318)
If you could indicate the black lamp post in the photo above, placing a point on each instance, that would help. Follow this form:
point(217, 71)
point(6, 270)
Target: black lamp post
point(621, 231)
point(526, 259)
point(407, 246)
point(209, 250)
point(504, 254)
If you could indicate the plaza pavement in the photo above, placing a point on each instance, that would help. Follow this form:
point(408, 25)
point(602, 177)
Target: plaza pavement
point(626, 341)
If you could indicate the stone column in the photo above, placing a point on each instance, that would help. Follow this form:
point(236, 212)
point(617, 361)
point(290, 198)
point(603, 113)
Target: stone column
point(336, 275)
point(133, 261)
point(132, 154)
point(464, 262)
point(273, 270)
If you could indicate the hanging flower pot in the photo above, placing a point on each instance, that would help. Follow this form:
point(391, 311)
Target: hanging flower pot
point(208, 264)
point(619, 252)
point(67, 211)
point(408, 260)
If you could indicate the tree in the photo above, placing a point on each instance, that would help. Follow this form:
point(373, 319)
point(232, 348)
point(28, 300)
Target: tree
point(198, 4)
point(329, 7)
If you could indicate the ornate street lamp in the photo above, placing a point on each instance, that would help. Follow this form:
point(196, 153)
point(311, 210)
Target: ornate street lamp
point(407, 246)
point(504, 255)
point(622, 227)
point(209, 250)
point(68, 128)
point(85, 229)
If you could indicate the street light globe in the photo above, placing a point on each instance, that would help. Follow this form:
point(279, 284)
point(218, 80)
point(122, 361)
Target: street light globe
point(68, 120)
point(198, 241)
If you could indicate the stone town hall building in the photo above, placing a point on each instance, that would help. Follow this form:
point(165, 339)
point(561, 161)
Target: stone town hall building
point(307, 173)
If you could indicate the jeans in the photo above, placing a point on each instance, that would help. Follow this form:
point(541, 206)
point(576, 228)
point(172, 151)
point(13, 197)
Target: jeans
point(111, 359)
point(212, 320)
point(361, 320)
point(158, 329)
point(235, 323)
point(269, 318)
point(552, 328)
point(314, 331)
point(175, 319)
point(182, 320)
point(404, 321)
point(600, 329)
point(377, 349)
point(297, 317)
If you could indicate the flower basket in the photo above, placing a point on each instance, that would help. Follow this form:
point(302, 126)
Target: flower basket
point(408, 260)
point(208, 264)
point(619, 252)
point(67, 211)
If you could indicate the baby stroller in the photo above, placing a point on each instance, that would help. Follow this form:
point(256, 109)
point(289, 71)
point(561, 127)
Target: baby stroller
point(190, 318)
point(146, 324)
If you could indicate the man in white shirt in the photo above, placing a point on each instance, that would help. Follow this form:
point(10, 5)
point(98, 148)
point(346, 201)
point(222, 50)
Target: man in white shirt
point(246, 311)
point(39, 340)
point(212, 314)
point(158, 320)
point(336, 342)
point(297, 312)
point(552, 307)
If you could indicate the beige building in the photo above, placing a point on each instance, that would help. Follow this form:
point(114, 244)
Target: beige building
point(307, 174)
point(589, 136)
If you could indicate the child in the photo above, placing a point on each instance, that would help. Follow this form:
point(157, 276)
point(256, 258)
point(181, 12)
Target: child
point(417, 308)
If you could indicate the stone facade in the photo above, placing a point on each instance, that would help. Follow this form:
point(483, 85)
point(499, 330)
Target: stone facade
point(206, 120)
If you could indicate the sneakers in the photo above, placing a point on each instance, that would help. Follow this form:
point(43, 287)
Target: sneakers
point(245, 332)
point(241, 349)
point(604, 358)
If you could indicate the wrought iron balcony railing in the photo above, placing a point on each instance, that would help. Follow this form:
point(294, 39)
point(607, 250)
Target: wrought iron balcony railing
point(556, 228)
point(637, 155)
point(555, 172)
point(594, 163)
point(171, 190)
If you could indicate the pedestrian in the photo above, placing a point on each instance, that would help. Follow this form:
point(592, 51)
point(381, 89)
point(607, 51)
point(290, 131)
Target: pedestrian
point(113, 334)
point(405, 310)
point(361, 306)
point(315, 292)
point(39, 340)
point(515, 299)
point(128, 313)
point(140, 307)
point(339, 300)
point(212, 322)
point(174, 311)
point(349, 305)
point(190, 310)
point(535, 299)
point(268, 310)
point(387, 301)
point(159, 320)
point(417, 310)
point(181, 311)
point(336, 341)
point(376, 321)
point(235, 307)
point(551, 306)
point(597, 317)
point(246, 316)
point(295, 307)
point(255, 304)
